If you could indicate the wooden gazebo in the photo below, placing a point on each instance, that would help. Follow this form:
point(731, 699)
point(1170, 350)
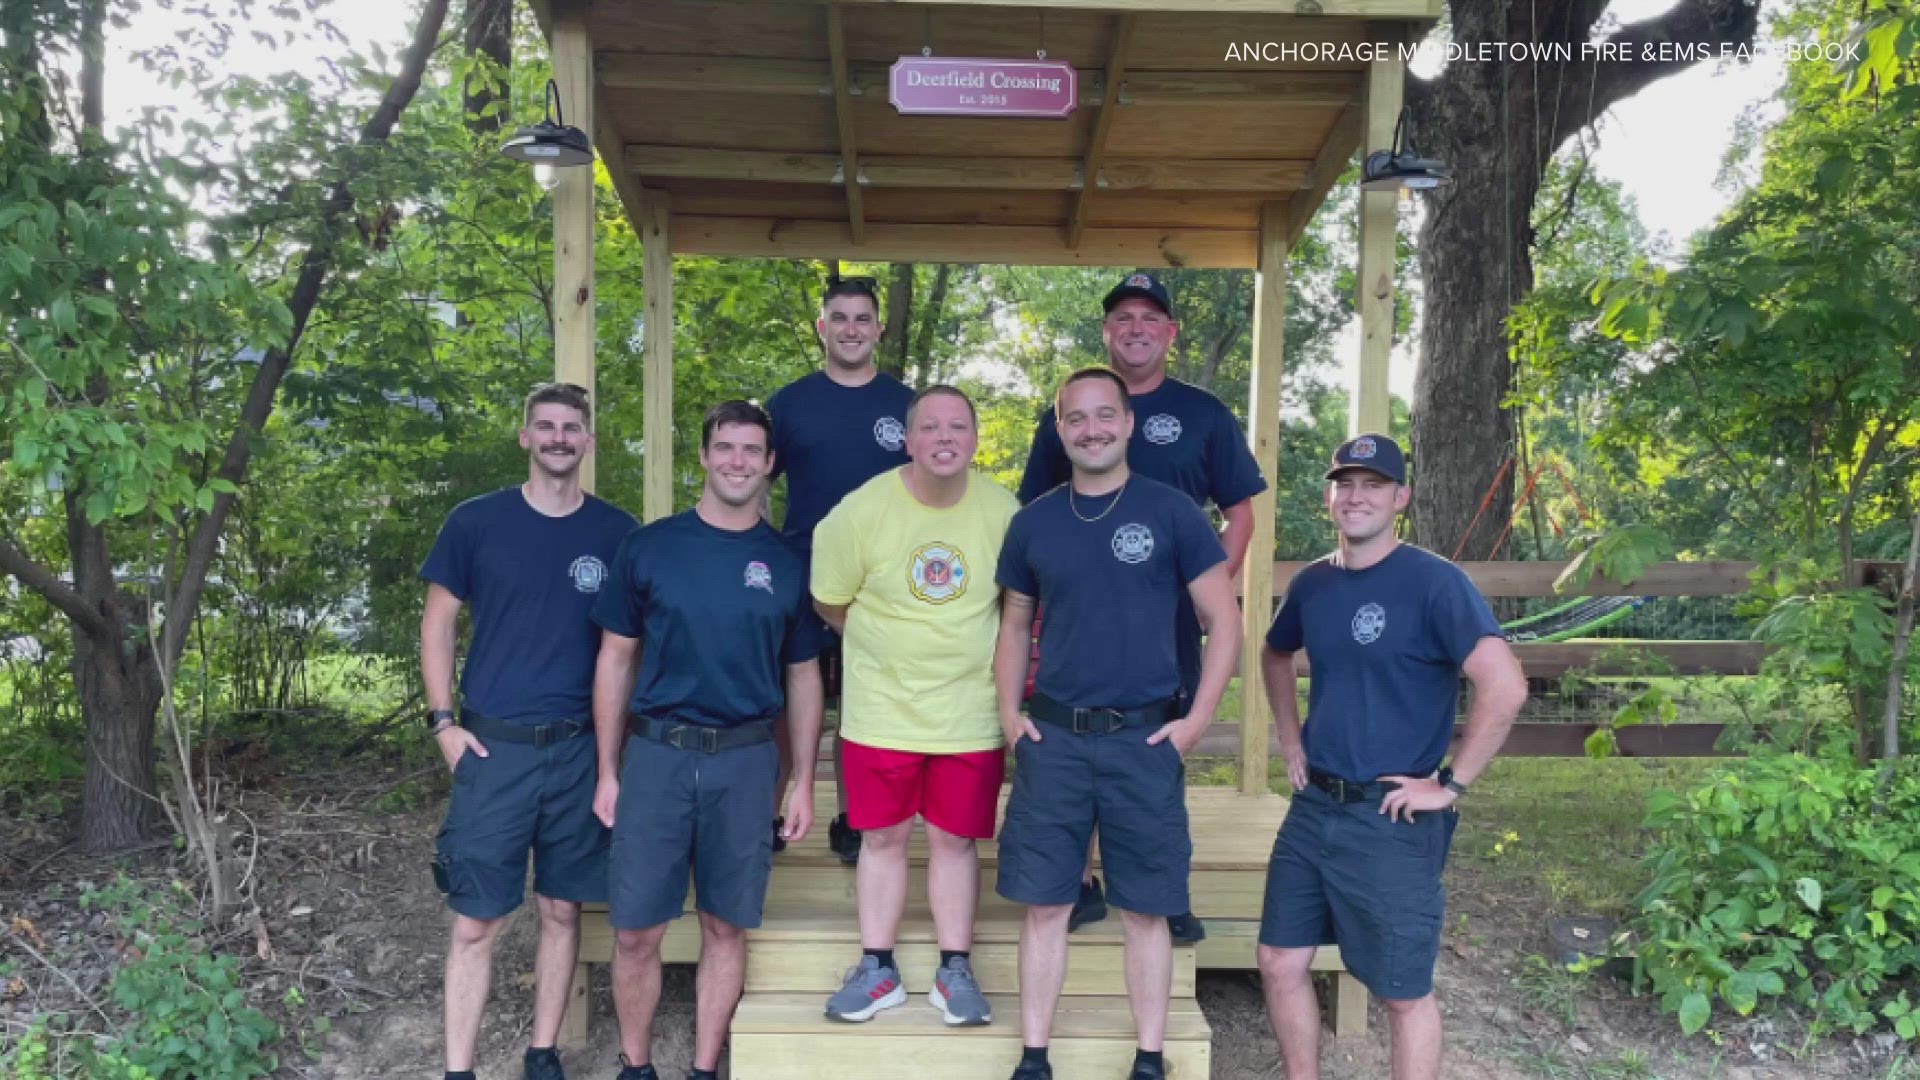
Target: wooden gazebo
point(1206, 134)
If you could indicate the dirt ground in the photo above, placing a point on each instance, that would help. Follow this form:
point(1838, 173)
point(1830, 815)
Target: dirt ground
point(348, 920)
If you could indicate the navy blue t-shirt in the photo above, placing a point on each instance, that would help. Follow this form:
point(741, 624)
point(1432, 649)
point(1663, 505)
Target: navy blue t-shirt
point(719, 615)
point(1110, 588)
point(829, 439)
point(1386, 644)
point(1182, 436)
point(529, 581)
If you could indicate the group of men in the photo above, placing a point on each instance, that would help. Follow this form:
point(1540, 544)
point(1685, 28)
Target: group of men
point(699, 652)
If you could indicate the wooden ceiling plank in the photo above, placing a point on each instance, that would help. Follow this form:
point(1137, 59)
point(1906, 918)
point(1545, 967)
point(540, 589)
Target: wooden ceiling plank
point(1037, 245)
point(1017, 174)
point(1096, 144)
point(843, 113)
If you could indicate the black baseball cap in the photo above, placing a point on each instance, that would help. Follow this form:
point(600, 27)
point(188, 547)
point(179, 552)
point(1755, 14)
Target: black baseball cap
point(1374, 453)
point(1145, 286)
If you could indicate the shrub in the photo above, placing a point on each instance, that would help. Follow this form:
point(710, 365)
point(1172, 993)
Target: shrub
point(1786, 877)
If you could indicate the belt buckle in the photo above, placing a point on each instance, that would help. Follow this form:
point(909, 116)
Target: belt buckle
point(704, 740)
point(547, 734)
point(1089, 721)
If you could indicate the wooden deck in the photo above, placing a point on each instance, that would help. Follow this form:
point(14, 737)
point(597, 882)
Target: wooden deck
point(810, 937)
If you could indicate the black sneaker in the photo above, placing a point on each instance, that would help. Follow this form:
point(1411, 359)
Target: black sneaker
point(779, 842)
point(1186, 929)
point(844, 839)
point(636, 1072)
point(543, 1063)
point(1091, 907)
point(1144, 1071)
point(1033, 1072)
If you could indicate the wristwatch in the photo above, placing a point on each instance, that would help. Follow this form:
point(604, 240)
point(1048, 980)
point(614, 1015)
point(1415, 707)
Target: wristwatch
point(1447, 781)
point(440, 720)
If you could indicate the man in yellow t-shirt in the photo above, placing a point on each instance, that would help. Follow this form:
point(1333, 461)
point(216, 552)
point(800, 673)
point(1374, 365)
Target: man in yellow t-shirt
point(903, 569)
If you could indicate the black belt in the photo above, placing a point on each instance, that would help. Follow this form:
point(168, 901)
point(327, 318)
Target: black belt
point(1349, 791)
point(537, 734)
point(700, 737)
point(1102, 720)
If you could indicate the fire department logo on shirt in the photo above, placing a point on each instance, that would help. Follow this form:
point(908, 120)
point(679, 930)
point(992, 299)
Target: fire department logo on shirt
point(587, 573)
point(938, 574)
point(891, 434)
point(758, 576)
point(1132, 543)
point(1162, 429)
point(1369, 623)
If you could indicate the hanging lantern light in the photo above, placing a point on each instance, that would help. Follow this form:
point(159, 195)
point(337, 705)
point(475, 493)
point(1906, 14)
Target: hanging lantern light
point(1402, 168)
point(550, 142)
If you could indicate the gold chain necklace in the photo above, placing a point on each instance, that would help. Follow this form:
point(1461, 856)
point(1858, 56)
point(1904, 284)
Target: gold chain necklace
point(1103, 513)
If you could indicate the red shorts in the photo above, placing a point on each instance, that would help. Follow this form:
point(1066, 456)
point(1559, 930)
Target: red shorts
point(957, 793)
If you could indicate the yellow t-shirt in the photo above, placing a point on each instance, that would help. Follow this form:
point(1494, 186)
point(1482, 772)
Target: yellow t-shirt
point(918, 653)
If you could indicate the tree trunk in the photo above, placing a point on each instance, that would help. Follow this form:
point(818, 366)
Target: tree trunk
point(931, 314)
point(119, 689)
point(488, 30)
point(1498, 125)
point(891, 355)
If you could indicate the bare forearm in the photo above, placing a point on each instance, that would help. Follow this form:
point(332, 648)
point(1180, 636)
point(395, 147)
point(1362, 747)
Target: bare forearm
point(1488, 723)
point(1011, 654)
point(436, 660)
point(1499, 690)
point(612, 689)
point(1216, 668)
point(806, 707)
point(1237, 535)
point(1283, 693)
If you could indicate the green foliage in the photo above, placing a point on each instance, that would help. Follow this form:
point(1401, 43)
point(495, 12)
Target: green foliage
point(1785, 878)
point(1620, 555)
point(189, 1018)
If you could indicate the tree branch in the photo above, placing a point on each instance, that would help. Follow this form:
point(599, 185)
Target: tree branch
point(58, 593)
point(1689, 23)
point(314, 266)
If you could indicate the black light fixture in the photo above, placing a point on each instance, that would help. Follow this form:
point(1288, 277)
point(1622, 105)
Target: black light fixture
point(550, 142)
point(1402, 168)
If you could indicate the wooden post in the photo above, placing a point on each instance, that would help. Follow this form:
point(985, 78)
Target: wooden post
point(1379, 223)
point(656, 240)
point(1263, 432)
point(573, 223)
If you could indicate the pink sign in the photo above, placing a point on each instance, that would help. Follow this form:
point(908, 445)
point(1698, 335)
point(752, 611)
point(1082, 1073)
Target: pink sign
point(971, 86)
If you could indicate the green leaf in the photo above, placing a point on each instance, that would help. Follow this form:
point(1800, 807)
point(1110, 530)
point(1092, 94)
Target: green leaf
point(1601, 744)
point(1695, 1009)
point(1809, 892)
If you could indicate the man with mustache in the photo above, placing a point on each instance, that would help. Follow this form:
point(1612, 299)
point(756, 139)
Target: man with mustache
point(1184, 436)
point(529, 560)
point(1107, 728)
point(893, 572)
point(834, 430)
point(716, 602)
point(1389, 628)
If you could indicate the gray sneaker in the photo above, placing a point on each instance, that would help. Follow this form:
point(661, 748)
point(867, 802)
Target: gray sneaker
point(957, 995)
point(869, 989)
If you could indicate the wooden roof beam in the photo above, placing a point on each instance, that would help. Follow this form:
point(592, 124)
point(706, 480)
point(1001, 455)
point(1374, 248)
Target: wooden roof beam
point(1096, 144)
point(1016, 174)
point(843, 114)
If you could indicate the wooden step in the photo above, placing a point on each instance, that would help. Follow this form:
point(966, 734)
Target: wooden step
point(1216, 893)
point(788, 1037)
point(810, 953)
